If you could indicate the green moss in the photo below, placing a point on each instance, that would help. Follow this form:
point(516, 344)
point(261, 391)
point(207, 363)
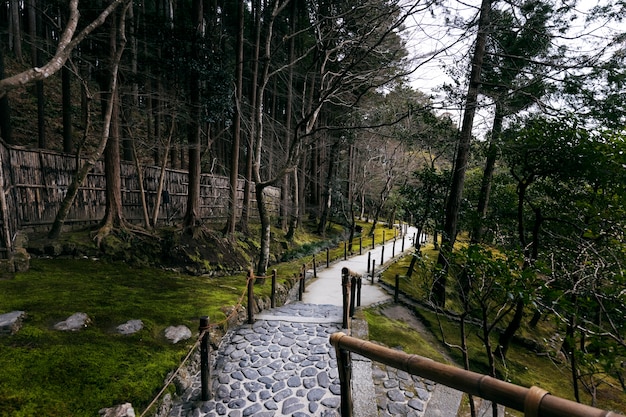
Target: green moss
point(52, 373)
point(394, 333)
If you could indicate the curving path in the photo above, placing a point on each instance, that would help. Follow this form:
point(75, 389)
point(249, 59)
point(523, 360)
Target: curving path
point(284, 365)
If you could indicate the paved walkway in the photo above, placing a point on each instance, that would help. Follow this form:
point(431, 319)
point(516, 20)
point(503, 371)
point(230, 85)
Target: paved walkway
point(284, 365)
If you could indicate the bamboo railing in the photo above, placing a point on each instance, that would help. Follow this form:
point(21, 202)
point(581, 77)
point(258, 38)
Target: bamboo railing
point(533, 402)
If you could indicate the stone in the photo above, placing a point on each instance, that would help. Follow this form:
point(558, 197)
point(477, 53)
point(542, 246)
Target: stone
point(177, 333)
point(10, 323)
point(122, 410)
point(74, 322)
point(331, 402)
point(315, 394)
point(396, 395)
point(130, 327)
point(294, 381)
point(416, 404)
point(291, 405)
point(252, 410)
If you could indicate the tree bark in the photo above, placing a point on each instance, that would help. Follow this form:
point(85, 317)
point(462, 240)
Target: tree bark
point(193, 134)
point(66, 97)
point(234, 164)
point(5, 109)
point(460, 164)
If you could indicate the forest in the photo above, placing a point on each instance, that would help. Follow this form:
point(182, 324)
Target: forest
point(515, 166)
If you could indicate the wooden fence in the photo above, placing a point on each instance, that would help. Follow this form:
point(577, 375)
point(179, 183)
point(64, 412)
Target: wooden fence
point(36, 181)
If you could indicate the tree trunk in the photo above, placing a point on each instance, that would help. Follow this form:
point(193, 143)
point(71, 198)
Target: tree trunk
point(234, 165)
point(34, 29)
point(15, 36)
point(5, 109)
point(328, 187)
point(460, 164)
point(266, 229)
point(487, 180)
point(254, 103)
point(66, 89)
point(193, 134)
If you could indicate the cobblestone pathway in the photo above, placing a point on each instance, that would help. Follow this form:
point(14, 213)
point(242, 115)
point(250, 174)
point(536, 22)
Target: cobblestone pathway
point(283, 365)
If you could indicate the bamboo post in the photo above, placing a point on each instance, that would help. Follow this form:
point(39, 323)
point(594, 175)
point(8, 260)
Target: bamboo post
point(205, 368)
point(402, 243)
point(273, 295)
point(345, 250)
point(369, 260)
point(382, 255)
point(345, 287)
point(360, 245)
point(300, 290)
point(373, 239)
point(352, 295)
point(344, 369)
point(250, 297)
point(358, 292)
point(327, 257)
point(396, 291)
point(314, 267)
point(393, 249)
point(373, 268)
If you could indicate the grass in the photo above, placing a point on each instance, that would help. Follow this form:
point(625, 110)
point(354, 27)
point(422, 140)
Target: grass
point(46, 372)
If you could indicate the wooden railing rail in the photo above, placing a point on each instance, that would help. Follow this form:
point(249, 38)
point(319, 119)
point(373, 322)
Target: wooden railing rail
point(533, 402)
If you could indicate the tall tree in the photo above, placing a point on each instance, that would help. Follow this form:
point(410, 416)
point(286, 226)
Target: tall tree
point(511, 78)
point(463, 149)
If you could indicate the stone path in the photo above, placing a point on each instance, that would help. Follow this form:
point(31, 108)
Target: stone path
point(284, 365)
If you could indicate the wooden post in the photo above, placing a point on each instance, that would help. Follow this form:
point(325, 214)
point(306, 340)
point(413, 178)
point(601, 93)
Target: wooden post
point(344, 369)
point(360, 245)
point(327, 257)
point(384, 236)
point(352, 295)
point(396, 291)
point(358, 292)
point(250, 297)
point(314, 267)
point(345, 287)
point(373, 268)
point(402, 243)
point(382, 255)
point(369, 260)
point(273, 295)
point(205, 368)
point(345, 250)
point(393, 249)
point(303, 277)
point(373, 239)
point(300, 290)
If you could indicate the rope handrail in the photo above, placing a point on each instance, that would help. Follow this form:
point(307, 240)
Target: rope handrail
point(532, 401)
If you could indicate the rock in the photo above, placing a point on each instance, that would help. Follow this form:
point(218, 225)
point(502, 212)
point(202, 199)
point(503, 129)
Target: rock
point(177, 333)
point(11, 322)
point(130, 327)
point(21, 260)
point(122, 410)
point(74, 322)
